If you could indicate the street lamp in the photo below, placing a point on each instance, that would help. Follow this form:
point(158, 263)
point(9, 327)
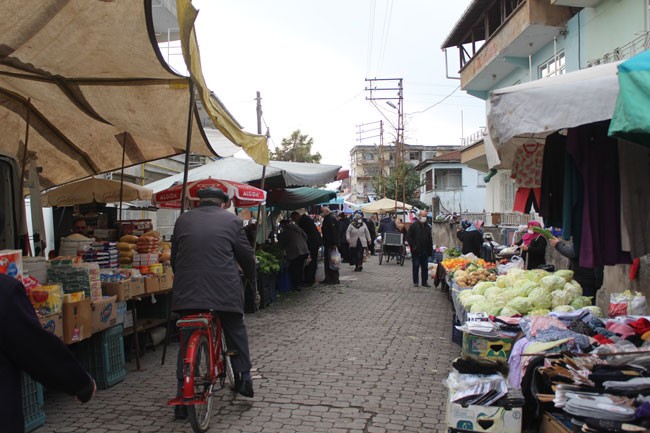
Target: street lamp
point(390, 104)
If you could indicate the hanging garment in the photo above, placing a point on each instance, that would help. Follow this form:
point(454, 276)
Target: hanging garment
point(572, 203)
point(526, 199)
point(634, 163)
point(596, 157)
point(527, 165)
point(552, 194)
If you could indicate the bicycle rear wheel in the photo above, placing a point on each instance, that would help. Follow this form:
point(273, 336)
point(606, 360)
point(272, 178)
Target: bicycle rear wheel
point(227, 364)
point(199, 414)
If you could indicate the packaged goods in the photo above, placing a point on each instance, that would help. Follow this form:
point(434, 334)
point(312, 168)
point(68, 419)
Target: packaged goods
point(11, 263)
point(47, 300)
point(130, 239)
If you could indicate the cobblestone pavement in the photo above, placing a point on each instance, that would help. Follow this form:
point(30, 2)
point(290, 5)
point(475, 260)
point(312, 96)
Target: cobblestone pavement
point(368, 355)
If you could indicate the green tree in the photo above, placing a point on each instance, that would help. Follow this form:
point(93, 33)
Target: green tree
point(412, 185)
point(296, 148)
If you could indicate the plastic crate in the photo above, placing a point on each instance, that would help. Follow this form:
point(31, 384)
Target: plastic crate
point(32, 403)
point(103, 356)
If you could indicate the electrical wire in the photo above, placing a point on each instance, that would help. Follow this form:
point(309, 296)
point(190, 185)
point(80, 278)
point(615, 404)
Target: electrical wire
point(371, 33)
point(436, 104)
point(382, 113)
point(388, 15)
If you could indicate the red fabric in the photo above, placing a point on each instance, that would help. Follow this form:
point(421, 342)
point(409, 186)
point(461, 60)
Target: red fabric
point(641, 325)
point(634, 269)
point(602, 339)
point(527, 238)
point(521, 197)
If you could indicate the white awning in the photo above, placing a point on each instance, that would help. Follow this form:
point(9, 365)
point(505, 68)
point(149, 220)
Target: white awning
point(535, 109)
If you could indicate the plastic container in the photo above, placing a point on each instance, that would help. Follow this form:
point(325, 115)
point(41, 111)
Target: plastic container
point(32, 403)
point(103, 356)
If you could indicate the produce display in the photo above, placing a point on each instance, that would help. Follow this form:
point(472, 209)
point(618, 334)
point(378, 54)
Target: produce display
point(533, 293)
point(453, 264)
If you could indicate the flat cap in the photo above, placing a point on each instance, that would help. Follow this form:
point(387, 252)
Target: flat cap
point(212, 192)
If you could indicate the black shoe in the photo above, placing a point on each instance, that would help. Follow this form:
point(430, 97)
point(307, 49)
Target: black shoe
point(416, 285)
point(425, 285)
point(180, 412)
point(246, 388)
point(325, 282)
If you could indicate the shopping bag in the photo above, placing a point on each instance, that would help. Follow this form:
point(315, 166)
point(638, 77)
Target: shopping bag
point(335, 259)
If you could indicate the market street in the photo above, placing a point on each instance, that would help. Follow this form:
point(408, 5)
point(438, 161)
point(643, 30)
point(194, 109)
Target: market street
point(368, 355)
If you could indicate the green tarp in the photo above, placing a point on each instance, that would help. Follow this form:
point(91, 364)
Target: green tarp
point(296, 198)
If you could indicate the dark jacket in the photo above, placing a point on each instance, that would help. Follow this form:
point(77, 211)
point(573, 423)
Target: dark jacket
point(472, 241)
point(387, 225)
point(293, 241)
point(591, 279)
point(371, 228)
point(330, 230)
point(536, 254)
point(344, 223)
point(26, 346)
point(208, 244)
point(420, 239)
point(314, 239)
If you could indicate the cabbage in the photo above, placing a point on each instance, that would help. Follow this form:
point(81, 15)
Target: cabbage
point(540, 298)
point(480, 288)
point(508, 311)
point(563, 309)
point(536, 275)
point(520, 304)
point(464, 293)
point(564, 273)
point(574, 289)
point(504, 281)
point(517, 274)
point(539, 312)
point(581, 301)
point(470, 300)
point(524, 287)
point(594, 310)
point(480, 307)
point(506, 296)
point(552, 283)
point(561, 297)
point(492, 292)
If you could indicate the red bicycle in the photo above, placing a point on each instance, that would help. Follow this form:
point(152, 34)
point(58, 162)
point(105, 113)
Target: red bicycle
point(206, 361)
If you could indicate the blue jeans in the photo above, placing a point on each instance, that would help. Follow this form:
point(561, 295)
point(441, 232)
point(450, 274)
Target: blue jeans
point(421, 261)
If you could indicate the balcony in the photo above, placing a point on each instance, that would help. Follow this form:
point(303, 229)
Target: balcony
point(496, 37)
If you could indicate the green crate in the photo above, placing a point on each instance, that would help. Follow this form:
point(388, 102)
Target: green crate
point(32, 403)
point(103, 356)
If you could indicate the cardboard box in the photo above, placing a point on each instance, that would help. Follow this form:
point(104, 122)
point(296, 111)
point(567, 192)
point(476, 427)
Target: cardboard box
point(484, 418)
point(120, 307)
point(121, 290)
point(152, 283)
point(137, 287)
point(103, 313)
point(166, 280)
point(11, 263)
point(53, 324)
point(128, 319)
point(551, 424)
point(487, 347)
point(77, 324)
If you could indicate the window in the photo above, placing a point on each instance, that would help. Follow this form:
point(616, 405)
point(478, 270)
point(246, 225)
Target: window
point(553, 66)
point(414, 156)
point(368, 156)
point(448, 179)
point(480, 180)
point(428, 180)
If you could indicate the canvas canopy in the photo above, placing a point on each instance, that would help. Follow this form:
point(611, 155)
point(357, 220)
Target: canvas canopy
point(385, 205)
point(279, 174)
point(530, 111)
point(94, 190)
point(88, 79)
point(296, 198)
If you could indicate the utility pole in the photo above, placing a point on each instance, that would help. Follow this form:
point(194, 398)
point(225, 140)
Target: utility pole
point(376, 94)
point(260, 208)
point(361, 133)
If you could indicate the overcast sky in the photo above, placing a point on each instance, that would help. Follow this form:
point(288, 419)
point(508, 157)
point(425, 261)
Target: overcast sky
point(310, 60)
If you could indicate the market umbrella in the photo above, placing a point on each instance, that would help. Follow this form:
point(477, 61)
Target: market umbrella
point(94, 190)
point(296, 198)
point(242, 195)
point(631, 118)
point(385, 205)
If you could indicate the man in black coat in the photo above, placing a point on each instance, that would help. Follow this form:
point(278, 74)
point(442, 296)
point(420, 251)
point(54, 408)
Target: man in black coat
point(208, 247)
point(314, 242)
point(373, 233)
point(421, 242)
point(26, 347)
point(344, 248)
point(330, 230)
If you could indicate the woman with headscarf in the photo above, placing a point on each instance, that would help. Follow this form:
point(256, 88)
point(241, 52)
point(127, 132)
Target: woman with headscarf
point(533, 247)
point(358, 238)
point(471, 237)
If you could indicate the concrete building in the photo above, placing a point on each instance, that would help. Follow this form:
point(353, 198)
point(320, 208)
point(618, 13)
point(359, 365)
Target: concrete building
point(368, 161)
point(449, 186)
point(507, 42)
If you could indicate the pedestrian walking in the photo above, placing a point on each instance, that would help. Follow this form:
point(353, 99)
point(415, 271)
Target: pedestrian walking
point(420, 240)
point(373, 233)
point(314, 242)
point(293, 241)
point(359, 238)
point(344, 247)
point(330, 230)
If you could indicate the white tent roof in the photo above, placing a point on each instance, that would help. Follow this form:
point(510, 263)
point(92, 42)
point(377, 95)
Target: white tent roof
point(282, 173)
point(535, 109)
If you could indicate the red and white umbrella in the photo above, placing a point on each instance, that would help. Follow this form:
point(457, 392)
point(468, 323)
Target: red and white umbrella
point(241, 194)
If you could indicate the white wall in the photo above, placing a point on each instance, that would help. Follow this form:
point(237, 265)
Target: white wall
point(471, 197)
point(500, 193)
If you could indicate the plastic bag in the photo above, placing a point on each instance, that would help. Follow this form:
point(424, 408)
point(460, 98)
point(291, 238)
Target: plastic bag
point(516, 262)
point(335, 259)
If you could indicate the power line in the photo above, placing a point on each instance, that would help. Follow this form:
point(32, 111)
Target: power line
point(371, 33)
point(386, 30)
point(436, 104)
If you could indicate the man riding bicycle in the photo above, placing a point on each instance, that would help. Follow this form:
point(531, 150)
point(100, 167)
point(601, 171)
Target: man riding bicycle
point(208, 244)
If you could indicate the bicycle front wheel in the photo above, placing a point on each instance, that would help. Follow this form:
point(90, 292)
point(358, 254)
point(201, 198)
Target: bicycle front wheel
point(199, 414)
point(227, 364)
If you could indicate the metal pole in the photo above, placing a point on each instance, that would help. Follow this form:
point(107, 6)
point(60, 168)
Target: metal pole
point(122, 179)
point(188, 145)
point(23, 212)
point(260, 208)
